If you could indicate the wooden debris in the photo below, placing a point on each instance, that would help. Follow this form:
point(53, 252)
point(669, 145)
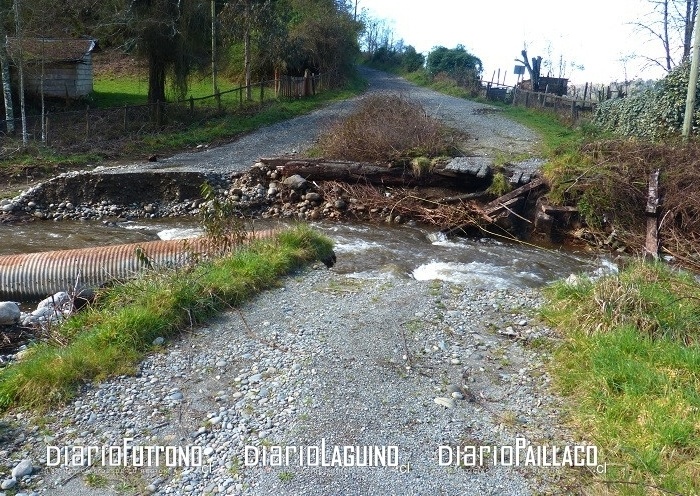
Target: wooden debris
point(531, 186)
point(450, 175)
point(651, 246)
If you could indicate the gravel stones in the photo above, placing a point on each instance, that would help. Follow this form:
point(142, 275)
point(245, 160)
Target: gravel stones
point(324, 364)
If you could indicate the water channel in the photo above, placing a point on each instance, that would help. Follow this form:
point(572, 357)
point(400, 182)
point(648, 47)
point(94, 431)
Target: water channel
point(363, 250)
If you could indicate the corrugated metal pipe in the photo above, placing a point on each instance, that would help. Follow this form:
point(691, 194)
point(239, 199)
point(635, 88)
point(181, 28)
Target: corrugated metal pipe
point(35, 275)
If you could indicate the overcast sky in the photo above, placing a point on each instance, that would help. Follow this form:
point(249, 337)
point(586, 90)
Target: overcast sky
point(596, 34)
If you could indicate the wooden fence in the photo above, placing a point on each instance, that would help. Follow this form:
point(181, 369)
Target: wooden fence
point(571, 108)
point(85, 129)
point(565, 106)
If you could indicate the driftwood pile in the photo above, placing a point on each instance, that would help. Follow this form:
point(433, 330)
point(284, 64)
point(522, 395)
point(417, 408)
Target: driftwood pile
point(450, 196)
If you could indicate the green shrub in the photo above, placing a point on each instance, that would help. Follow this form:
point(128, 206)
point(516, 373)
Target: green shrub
point(654, 114)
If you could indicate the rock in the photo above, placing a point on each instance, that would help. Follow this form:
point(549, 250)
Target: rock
point(22, 468)
point(8, 208)
point(58, 300)
point(454, 389)
point(176, 396)
point(43, 312)
point(340, 204)
point(255, 378)
point(9, 312)
point(295, 182)
point(158, 341)
point(446, 402)
point(313, 197)
point(8, 484)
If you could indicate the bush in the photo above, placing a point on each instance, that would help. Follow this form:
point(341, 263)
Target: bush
point(653, 114)
point(457, 63)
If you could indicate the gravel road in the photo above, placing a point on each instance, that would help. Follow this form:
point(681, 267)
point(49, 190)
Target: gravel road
point(412, 370)
point(490, 133)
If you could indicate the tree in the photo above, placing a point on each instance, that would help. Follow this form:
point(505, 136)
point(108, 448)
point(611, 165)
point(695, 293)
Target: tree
point(5, 67)
point(671, 23)
point(457, 63)
point(257, 24)
point(323, 37)
point(174, 36)
point(532, 69)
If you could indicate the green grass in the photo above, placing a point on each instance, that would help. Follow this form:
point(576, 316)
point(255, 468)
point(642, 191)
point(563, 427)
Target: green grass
point(131, 91)
point(117, 91)
point(631, 364)
point(111, 336)
point(112, 91)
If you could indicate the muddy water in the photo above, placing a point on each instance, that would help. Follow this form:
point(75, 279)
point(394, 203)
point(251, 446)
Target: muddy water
point(363, 251)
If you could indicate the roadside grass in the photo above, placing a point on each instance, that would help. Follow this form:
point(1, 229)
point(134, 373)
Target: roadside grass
point(114, 333)
point(631, 364)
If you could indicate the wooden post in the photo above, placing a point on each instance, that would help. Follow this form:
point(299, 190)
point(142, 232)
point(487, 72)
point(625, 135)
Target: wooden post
point(307, 84)
point(47, 128)
point(573, 110)
point(277, 82)
point(87, 122)
point(651, 247)
point(527, 98)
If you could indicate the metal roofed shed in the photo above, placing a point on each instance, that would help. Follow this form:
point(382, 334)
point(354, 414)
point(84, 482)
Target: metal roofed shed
point(67, 65)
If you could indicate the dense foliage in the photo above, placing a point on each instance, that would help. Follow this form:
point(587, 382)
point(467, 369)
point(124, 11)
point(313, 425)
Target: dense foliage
point(175, 37)
point(654, 113)
point(404, 58)
point(456, 63)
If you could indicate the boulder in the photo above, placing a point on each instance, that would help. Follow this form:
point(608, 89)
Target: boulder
point(9, 312)
point(22, 468)
point(295, 182)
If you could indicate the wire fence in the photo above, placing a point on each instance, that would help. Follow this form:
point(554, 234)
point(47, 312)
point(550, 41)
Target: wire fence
point(105, 128)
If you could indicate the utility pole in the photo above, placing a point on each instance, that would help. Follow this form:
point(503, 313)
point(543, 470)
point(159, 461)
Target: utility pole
point(692, 84)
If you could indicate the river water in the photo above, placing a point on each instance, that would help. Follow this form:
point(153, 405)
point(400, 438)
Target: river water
point(363, 250)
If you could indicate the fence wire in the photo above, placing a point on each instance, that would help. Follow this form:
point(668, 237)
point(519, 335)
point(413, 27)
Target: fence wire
point(108, 128)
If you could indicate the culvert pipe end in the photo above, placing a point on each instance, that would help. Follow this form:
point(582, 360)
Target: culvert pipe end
point(35, 275)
